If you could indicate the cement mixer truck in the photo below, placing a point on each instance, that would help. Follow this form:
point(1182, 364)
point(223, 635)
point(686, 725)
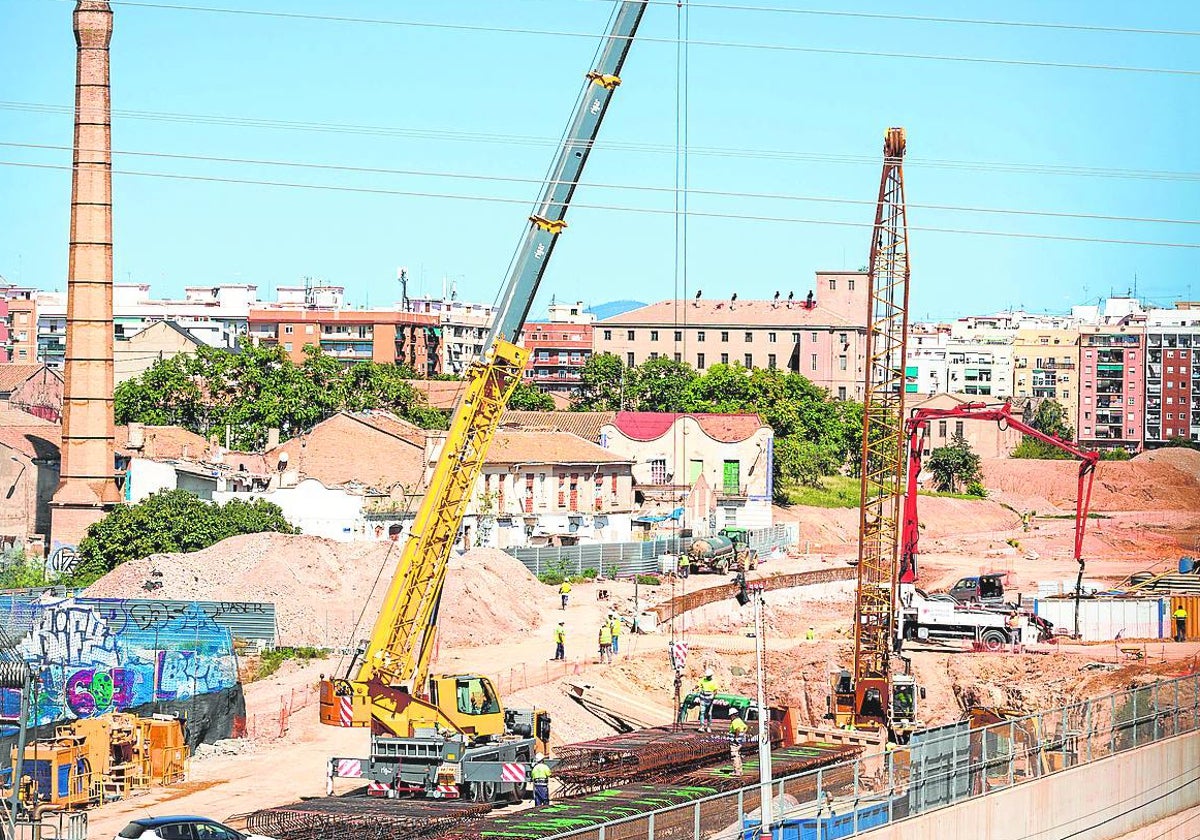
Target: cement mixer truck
point(721, 554)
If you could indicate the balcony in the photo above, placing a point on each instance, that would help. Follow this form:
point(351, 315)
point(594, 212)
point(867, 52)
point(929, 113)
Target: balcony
point(732, 492)
point(1053, 364)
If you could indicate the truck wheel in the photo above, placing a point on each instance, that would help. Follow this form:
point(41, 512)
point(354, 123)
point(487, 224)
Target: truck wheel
point(994, 640)
point(481, 791)
point(722, 567)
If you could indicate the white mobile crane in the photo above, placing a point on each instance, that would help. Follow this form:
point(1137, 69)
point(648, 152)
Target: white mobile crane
point(445, 736)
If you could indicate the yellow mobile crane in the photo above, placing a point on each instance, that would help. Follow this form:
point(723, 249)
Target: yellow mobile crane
point(449, 735)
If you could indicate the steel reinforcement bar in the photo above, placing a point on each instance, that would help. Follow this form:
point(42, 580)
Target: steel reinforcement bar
point(362, 817)
point(693, 600)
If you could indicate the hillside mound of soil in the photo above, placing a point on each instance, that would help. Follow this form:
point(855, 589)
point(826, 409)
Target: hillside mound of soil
point(1161, 480)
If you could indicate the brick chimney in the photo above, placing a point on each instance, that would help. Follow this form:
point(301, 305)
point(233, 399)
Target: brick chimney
point(88, 485)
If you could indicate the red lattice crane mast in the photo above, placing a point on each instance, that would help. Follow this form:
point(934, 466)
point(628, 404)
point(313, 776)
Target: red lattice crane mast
point(871, 695)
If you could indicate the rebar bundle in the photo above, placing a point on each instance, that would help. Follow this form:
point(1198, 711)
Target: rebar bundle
point(361, 817)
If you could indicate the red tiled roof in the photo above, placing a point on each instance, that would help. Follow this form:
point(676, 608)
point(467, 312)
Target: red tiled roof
point(33, 440)
point(651, 425)
point(12, 376)
point(440, 393)
point(547, 447)
point(168, 443)
point(374, 449)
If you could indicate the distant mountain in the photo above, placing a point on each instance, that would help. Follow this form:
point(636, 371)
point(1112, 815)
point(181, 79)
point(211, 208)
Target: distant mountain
point(613, 307)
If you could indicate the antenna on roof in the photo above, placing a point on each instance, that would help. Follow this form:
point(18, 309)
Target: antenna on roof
point(775, 303)
point(791, 297)
point(732, 300)
point(698, 293)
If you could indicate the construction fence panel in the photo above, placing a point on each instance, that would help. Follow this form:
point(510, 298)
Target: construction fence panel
point(940, 768)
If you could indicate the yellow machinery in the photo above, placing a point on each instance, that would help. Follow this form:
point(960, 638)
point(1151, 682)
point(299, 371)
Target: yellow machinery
point(449, 735)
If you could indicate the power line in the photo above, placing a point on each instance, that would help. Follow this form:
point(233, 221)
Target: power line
point(617, 186)
point(1074, 27)
point(517, 30)
point(618, 208)
point(1007, 167)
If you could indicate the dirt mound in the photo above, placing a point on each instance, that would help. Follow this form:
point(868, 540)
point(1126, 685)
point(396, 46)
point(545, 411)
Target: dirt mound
point(1183, 459)
point(320, 587)
point(1156, 481)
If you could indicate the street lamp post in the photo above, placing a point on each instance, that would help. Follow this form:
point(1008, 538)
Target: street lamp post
point(764, 719)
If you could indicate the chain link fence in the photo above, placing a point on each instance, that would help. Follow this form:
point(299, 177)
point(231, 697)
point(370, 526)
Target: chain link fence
point(940, 767)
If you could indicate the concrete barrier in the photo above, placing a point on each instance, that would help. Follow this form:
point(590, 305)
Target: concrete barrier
point(1098, 801)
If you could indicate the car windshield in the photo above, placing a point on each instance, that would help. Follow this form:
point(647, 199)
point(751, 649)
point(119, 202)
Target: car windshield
point(132, 830)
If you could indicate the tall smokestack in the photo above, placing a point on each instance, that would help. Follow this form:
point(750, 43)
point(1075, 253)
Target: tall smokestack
point(87, 486)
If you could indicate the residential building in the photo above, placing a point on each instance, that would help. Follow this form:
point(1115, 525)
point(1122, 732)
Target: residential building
point(160, 340)
point(29, 469)
point(1173, 374)
point(822, 335)
point(5, 342)
point(1046, 366)
point(21, 324)
point(352, 335)
point(926, 369)
point(1112, 397)
point(464, 327)
point(32, 388)
point(733, 453)
point(215, 315)
point(558, 348)
point(51, 337)
point(980, 364)
point(987, 440)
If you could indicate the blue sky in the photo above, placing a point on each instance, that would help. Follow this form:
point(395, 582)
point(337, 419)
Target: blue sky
point(491, 104)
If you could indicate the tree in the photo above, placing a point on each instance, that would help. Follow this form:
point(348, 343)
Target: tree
point(663, 384)
point(954, 465)
point(604, 382)
point(170, 521)
point(1050, 418)
point(527, 398)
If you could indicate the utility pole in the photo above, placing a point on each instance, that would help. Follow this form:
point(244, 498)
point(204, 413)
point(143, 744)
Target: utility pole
point(764, 718)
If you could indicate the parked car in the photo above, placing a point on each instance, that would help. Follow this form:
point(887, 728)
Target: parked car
point(983, 589)
point(182, 828)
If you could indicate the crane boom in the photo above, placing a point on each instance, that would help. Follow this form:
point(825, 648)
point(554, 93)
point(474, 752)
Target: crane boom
point(391, 691)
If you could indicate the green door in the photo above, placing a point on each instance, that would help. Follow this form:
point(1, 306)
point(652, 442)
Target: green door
point(695, 467)
point(732, 477)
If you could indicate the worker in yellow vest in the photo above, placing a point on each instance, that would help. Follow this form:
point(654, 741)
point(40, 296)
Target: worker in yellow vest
point(1180, 615)
point(565, 592)
point(606, 642)
point(614, 628)
point(737, 734)
point(707, 689)
point(560, 640)
point(540, 774)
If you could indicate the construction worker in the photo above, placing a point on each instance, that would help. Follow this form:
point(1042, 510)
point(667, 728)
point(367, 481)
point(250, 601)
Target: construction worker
point(1180, 616)
point(614, 627)
point(683, 564)
point(565, 592)
point(737, 734)
point(606, 642)
point(811, 635)
point(540, 774)
point(707, 689)
point(560, 640)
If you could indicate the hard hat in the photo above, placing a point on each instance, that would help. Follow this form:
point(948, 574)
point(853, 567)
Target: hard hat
point(708, 672)
point(539, 757)
point(734, 713)
point(561, 623)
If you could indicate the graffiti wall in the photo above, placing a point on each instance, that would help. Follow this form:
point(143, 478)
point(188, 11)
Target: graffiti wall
point(93, 659)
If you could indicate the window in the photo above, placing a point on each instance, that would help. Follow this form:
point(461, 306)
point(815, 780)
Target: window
point(850, 284)
point(658, 471)
point(287, 345)
point(629, 362)
point(679, 335)
point(795, 338)
point(212, 831)
point(653, 355)
point(679, 357)
point(1131, 400)
point(654, 335)
point(841, 392)
point(958, 428)
point(941, 428)
point(731, 477)
point(1087, 415)
point(771, 361)
point(724, 358)
point(772, 337)
point(724, 335)
point(814, 361)
point(474, 697)
point(832, 283)
point(699, 361)
point(1129, 415)
point(748, 337)
point(814, 335)
point(176, 831)
point(1170, 416)
point(841, 362)
point(700, 335)
point(748, 360)
point(288, 329)
point(1170, 401)
point(1129, 433)
point(844, 340)
point(608, 335)
point(629, 334)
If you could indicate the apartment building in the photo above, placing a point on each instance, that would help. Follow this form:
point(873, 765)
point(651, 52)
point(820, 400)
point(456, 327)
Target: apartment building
point(464, 329)
point(1046, 366)
point(353, 335)
point(1173, 374)
point(980, 365)
point(558, 348)
point(820, 334)
point(1112, 396)
point(21, 324)
point(926, 367)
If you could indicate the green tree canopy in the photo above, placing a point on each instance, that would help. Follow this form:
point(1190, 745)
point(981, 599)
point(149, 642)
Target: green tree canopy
point(1050, 418)
point(955, 465)
point(527, 398)
point(173, 520)
point(603, 382)
point(259, 388)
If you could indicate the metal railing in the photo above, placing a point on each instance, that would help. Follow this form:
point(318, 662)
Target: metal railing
point(941, 767)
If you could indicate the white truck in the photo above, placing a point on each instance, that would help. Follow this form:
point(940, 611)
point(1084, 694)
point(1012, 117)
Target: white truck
point(942, 618)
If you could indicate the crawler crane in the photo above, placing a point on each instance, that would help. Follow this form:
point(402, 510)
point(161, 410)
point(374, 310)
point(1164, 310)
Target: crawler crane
point(446, 736)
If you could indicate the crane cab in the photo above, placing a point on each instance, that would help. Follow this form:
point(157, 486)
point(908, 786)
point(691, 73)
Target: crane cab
point(469, 703)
